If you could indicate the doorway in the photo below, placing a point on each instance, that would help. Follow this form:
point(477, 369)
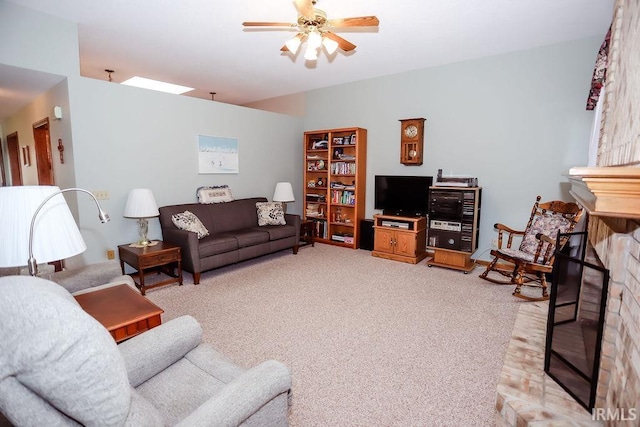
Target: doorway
point(13, 153)
point(3, 180)
point(44, 163)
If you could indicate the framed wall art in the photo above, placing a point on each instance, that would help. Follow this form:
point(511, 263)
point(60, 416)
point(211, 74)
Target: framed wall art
point(217, 155)
point(26, 156)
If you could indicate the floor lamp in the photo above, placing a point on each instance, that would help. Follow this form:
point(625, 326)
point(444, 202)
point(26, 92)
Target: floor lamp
point(37, 226)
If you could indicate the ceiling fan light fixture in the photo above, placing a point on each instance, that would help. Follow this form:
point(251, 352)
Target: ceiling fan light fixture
point(293, 44)
point(314, 39)
point(311, 54)
point(330, 45)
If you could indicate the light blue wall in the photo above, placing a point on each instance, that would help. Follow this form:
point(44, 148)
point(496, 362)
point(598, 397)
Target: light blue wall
point(127, 137)
point(516, 121)
point(37, 41)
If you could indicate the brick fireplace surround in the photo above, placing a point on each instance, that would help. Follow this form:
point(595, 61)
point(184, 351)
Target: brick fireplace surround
point(525, 395)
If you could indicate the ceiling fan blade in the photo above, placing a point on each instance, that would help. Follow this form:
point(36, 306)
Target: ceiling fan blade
point(342, 43)
point(268, 24)
point(305, 8)
point(360, 21)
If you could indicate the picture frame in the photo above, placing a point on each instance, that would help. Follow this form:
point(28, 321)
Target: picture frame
point(353, 139)
point(26, 156)
point(337, 141)
point(217, 155)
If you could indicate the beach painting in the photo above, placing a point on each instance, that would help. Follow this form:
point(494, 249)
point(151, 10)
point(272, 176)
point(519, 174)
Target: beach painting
point(217, 155)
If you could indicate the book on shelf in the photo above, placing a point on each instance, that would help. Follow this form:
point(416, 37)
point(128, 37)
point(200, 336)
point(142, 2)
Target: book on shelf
point(343, 197)
point(321, 229)
point(343, 168)
point(342, 237)
point(340, 186)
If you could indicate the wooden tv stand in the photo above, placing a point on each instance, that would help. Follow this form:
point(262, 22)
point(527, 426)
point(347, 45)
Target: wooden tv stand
point(400, 238)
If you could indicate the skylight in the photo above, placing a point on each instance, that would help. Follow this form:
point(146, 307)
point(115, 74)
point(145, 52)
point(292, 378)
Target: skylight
point(156, 85)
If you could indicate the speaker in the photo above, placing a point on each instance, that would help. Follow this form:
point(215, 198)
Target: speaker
point(366, 234)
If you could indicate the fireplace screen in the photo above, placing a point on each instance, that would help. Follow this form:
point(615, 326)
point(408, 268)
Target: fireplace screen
point(576, 318)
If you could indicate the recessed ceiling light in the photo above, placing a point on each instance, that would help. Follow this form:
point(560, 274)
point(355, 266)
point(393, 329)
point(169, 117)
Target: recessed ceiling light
point(156, 85)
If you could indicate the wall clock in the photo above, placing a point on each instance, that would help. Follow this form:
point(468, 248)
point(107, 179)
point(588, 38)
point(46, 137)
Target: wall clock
point(411, 141)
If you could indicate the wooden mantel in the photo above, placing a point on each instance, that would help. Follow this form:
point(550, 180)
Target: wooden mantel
point(607, 191)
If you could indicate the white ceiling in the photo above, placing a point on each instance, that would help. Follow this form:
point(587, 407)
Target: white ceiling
point(202, 44)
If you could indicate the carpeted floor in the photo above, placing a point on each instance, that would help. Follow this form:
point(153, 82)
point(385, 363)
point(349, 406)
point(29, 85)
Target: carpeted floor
point(369, 342)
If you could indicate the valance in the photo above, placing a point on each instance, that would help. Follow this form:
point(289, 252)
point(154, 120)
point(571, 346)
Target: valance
point(599, 72)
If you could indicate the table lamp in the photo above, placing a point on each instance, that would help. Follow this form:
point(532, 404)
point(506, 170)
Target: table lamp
point(141, 205)
point(37, 224)
point(283, 194)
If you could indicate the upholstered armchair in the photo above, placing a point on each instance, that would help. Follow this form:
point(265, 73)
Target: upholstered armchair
point(80, 280)
point(91, 277)
point(59, 366)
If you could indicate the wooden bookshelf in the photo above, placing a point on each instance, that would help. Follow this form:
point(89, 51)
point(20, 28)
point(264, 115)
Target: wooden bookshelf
point(335, 183)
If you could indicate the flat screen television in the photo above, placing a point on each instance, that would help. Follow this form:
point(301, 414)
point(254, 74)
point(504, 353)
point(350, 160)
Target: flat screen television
point(402, 195)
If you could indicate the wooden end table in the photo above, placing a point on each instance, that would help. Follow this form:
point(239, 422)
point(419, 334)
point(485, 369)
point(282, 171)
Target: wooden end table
point(307, 232)
point(124, 312)
point(163, 256)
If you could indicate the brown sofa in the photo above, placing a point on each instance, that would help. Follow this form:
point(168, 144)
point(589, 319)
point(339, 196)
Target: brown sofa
point(234, 234)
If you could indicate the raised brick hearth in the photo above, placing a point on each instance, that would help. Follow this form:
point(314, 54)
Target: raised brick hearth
point(526, 395)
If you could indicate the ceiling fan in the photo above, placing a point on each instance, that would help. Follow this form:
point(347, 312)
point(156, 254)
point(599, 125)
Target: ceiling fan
point(314, 27)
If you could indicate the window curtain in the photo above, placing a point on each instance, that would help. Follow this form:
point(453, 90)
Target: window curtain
point(599, 72)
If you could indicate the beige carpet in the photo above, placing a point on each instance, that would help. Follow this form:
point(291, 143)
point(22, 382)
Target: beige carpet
point(369, 342)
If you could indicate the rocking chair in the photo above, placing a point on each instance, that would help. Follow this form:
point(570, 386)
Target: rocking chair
point(533, 260)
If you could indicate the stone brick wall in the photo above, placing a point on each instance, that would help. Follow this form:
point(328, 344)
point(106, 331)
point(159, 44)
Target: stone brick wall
point(620, 132)
point(617, 241)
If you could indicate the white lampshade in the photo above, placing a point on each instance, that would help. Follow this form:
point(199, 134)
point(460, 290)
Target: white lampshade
point(294, 43)
point(329, 45)
point(311, 54)
point(314, 40)
point(141, 204)
point(55, 233)
point(283, 193)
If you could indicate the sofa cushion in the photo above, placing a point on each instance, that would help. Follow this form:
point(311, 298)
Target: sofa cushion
point(250, 237)
point(217, 244)
point(215, 194)
point(277, 232)
point(234, 215)
point(270, 213)
point(190, 222)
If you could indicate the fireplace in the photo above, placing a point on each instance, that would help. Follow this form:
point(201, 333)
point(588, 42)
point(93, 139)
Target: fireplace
point(576, 319)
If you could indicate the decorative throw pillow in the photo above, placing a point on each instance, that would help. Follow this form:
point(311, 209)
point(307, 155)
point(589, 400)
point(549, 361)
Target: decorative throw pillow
point(215, 194)
point(190, 222)
point(270, 213)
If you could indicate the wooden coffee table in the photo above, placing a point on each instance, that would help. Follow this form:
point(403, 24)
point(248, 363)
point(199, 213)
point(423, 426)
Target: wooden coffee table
point(122, 310)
